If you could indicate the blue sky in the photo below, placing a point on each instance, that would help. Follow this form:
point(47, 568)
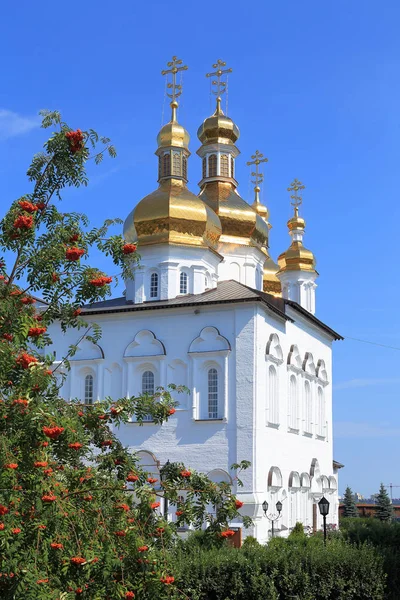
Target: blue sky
point(315, 87)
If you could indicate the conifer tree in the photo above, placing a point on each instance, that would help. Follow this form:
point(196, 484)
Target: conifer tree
point(384, 508)
point(349, 504)
point(79, 518)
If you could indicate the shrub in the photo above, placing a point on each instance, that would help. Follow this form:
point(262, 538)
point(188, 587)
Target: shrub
point(295, 568)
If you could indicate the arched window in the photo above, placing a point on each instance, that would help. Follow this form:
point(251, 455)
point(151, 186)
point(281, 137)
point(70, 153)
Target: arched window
point(177, 164)
point(232, 167)
point(89, 389)
point(224, 165)
point(148, 388)
point(213, 394)
point(307, 408)
point(183, 283)
point(184, 167)
point(273, 416)
point(166, 171)
point(321, 412)
point(292, 403)
point(212, 165)
point(154, 285)
point(204, 167)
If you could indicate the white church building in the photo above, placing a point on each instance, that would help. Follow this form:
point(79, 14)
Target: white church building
point(208, 308)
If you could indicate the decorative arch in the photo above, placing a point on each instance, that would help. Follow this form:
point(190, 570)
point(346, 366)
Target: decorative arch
point(305, 481)
point(209, 340)
point(274, 349)
point(294, 358)
point(219, 476)
point(321, 371)
point(325, 483)
point(332, 483)
point(314, 469)
point(145, 343)
point(87, 350)
point(294, 480)
point(275, 478)
point(308, 364)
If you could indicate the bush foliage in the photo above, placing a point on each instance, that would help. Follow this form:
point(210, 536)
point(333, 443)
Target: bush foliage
point(295, 568)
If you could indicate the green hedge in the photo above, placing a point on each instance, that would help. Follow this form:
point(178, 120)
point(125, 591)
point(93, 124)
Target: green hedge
point(385, 537)
point(299, 569)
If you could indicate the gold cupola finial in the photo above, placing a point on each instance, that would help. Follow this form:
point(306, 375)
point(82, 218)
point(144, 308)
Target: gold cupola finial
point(297, 257)
point(219, 86)
point(176, 89)
point(257, 159)
point(172, 134)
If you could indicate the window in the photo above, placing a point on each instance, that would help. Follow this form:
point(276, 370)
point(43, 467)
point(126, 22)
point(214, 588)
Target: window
point(166, 165)
point(204, 167)
point(224, 165)
point(232, 167)
point(148, 388)
point(292, 420)
point(212, 165)
point(307, 408)
point(273, 416)
point(321, 412)
point(154, 285)
point(89, 389)
point(177, 164)
point(183, 283)
point(184, 167)
point(212, 394)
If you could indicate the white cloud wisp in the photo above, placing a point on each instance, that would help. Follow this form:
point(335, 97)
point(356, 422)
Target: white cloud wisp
point(13, 124)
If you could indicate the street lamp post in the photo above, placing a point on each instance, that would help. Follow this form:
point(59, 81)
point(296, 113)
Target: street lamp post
point(323, 506)
point(272, 517)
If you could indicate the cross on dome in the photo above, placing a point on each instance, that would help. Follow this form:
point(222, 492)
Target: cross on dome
point(297, 200)
point(220, 86)
point(176, 89)
point(258, 158)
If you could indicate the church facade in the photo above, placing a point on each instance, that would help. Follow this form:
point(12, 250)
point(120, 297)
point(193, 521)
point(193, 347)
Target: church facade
point(209, 309)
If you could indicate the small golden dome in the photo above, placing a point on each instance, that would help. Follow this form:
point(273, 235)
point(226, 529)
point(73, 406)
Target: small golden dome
point(257, 205)
point(271, 283)
point(173, 134)
point(240, 223)
point(297, 257)
point(172, 214)
point(218, 129)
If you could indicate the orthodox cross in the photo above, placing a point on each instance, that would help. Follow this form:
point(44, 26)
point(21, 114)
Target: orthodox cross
point(258, 158)
point(297, 200)
point(174, 69)
point(220, 86)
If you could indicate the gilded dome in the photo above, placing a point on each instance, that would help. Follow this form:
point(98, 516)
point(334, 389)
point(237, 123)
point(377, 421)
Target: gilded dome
point(240, 223)
point(297, 257)
point(172, 214)
point(271, 283)
point(173, 134)
point(218, 129)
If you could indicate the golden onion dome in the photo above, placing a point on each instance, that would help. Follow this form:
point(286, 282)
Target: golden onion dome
point(297, 257)
point(240, 223)
point(173, 134)
point(258, 206)
point(271, 283)
point(218, 129)
point(172, 214)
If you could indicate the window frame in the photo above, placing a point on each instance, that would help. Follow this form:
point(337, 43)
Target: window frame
point(154, 287)
point(148, 418)
point(183, 283)
point(212, 165)
point(87, 376)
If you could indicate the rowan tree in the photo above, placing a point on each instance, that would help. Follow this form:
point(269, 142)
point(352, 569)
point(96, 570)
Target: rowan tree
point(79, 518)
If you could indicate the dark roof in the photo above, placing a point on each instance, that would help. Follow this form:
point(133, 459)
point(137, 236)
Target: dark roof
point(316, 321)
point(226, 292)
point(337, 465)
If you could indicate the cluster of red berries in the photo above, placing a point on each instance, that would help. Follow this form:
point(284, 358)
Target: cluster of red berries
point(227, 533)
point(100, 281)
point(75, 139)
point(53, 432)
point(129, 248)
point(23, 222)
point(25, 360)
point(28, 206)
point(36, 331)
point(74, 253)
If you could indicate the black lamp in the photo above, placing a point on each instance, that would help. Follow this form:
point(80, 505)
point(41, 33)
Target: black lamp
point(279, 506)
point(323, 506)
point(272, 518)
point(265, 507)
